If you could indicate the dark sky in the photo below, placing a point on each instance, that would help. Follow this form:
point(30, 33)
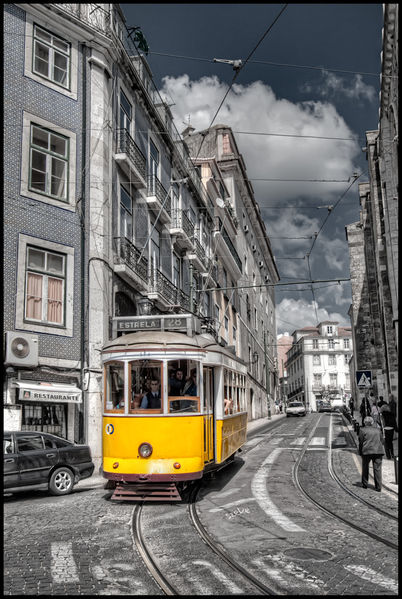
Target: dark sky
point(344, 41)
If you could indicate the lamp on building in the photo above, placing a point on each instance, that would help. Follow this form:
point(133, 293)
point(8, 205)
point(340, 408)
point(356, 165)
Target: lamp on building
point(144, 306)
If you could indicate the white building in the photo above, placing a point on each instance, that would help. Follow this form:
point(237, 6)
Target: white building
point(318, 364)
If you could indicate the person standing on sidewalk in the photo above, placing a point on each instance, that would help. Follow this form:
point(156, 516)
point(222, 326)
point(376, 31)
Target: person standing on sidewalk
point(371, 449)
point(390, 425)
point(365, 409)
point(351, 406)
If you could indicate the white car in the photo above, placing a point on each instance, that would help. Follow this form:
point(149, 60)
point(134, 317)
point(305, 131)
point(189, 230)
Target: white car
point(295, 408)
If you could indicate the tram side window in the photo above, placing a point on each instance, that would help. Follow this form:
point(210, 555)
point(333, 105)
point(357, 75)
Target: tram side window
point(183, 384)
point(145, 380)
point(114, 392)
point(234, 392)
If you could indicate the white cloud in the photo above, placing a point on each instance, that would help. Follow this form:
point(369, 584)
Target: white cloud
point(352, 88)
point(255, 108)
point(293, 314)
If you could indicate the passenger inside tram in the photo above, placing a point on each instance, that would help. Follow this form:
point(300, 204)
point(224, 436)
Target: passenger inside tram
point(152, 399)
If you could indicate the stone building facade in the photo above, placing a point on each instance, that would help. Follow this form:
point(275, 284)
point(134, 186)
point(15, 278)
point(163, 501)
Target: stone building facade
point(373, 241)
point(318, 364)
point(247, 272)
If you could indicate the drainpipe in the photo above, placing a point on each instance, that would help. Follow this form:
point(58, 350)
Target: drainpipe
point(83, 413)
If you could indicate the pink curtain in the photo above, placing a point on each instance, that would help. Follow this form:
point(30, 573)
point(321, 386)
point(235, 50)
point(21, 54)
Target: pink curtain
point(34, 296)
point(55, 300)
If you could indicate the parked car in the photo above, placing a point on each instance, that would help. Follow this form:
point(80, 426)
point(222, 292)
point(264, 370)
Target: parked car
point(41, 461)
point(324, 406)
point(295, 408)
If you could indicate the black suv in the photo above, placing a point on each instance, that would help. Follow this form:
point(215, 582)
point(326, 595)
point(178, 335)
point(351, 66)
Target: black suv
point(34, 460)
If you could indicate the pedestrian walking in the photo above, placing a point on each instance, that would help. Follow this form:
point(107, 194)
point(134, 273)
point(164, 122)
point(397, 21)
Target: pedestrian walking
point(375, 413)
point(351, 406)
point(390, 426)
point(371, 449)
point(381, 401)
point(392, 404)
point(365, 409)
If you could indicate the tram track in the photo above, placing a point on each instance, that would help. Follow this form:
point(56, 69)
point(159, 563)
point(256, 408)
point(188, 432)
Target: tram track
point(156, 572)
point(326, 509)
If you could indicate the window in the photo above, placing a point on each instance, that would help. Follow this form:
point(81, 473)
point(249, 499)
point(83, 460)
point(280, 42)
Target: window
point(317, 379)
point(45, 286)
point(51, 57)
point(316, 360)
point(225, 281)
point(153, 159)
point(329, 330)
point(155, 248)
point(234, 332)
point(332, 360)
point(315, 343)
point(256, 319)
point(333, 377)
point(346, 343)
point(146, 386)
point(331, 343)
point(176, 264)
point(126, 112)
point(48, 163)
point(217, 314)
point(347, 358)
point(226, 321)
point(226, 147)
point(31, 443)
point(126, 214)
point(114, 382)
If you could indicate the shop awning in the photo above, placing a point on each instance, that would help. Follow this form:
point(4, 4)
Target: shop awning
point(49, 392)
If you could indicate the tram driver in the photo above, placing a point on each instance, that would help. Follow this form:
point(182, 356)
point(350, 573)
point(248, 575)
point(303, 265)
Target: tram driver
point(152, 399)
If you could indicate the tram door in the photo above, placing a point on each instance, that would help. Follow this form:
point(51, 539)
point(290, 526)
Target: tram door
point(208, 375)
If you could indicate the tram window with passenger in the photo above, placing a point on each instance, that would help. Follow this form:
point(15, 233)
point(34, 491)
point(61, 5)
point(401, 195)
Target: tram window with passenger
point(233, 392)
point(146, 384)
point(114, 383)
point(183, 386)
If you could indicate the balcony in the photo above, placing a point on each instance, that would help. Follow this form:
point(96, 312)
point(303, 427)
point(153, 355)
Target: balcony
point(128, 266)
point(165, 294)
point(198, 256)
point(130, 158)
point(224, 243)
point(183, 229)
point(92, 15)
point(157, 196)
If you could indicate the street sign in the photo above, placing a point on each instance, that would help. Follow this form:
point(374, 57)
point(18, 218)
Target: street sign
point(363, 378)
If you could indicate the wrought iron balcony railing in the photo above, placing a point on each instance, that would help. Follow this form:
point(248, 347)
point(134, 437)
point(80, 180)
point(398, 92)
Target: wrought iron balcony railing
point(180, 220)
point(156, 189)
point(126, 145)
point(130, 255)
point(170, 293)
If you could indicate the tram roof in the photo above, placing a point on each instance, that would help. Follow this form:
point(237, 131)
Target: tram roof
point(167, 339)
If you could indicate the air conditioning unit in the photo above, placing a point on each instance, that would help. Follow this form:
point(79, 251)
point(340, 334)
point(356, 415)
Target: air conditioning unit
point(21, 349)
point(245, 228)
point(253, 248)
point(261, 264)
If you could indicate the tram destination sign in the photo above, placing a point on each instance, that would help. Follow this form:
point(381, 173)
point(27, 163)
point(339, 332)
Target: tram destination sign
point(174, 322)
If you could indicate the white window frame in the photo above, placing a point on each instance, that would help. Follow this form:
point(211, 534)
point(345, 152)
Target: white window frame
point(33, 326)
point(71, 90)
point(68, 204)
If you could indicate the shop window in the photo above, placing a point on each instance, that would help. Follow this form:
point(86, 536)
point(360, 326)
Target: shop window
point(183, 385)
point(114, 391)
point(146, 385)
point(45, 418)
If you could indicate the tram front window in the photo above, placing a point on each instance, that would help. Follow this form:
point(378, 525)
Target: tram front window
point(183, 394)
point(145, 382)
point(114, 401)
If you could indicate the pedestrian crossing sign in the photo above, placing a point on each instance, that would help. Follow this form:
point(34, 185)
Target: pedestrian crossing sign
point(363, 378)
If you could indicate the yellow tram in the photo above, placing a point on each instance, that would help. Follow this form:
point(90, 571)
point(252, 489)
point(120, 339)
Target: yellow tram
point(174, 408)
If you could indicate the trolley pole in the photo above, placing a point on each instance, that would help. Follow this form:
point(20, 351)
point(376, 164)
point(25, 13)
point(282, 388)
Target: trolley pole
point(267, 376)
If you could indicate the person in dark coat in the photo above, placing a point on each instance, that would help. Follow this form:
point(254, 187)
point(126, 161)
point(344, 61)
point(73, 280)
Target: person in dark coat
point(365, 409)
point(152, 399)
point(176, 383)
point(390, 426)
point(371, 449)
point(351, 406)
point(381, 401)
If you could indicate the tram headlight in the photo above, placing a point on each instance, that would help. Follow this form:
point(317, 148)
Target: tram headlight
point(145, 450)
